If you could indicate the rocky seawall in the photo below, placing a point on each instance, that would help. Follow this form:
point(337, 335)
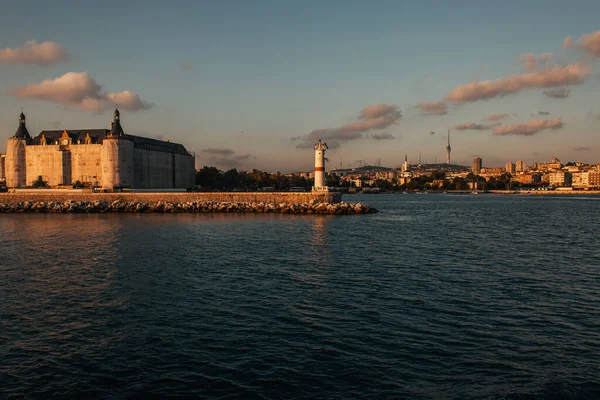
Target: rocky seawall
point(121, 206)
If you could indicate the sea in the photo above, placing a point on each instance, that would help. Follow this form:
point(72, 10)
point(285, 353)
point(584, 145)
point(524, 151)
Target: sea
point(437, 296)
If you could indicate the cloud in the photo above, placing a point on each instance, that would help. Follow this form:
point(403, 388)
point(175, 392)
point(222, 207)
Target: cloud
point(32, 52)
point(376, 111)
point(568, 42)
point(79, 90)
point(593, 115)
point(475, 127)
point(218, 151)
point(496, 117)
point(433, 108)
point(589, 43)
point(225, 158)
point(382, 136)
point(375, 117)
point(531, 61)
point(582, 149)
point(557, 93)
point(186, 66)
point(572, 74)
point(129, 100)
point(543, 112)
point(528, 128)
point(296, 138)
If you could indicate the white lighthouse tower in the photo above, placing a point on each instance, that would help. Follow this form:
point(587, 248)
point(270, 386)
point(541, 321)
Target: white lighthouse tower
point(320, 166)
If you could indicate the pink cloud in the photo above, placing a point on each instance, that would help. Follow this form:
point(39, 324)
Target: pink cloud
point(475, 127)
point(376, 111)
point(128, 100)
point(79, 90)
point(531, 61)
point(568, 42)
point(375, 117)
point(528, 128)
point(590, 43)
point(433, 108)
point(32, 52)
point(572, 74)
point(496, 117)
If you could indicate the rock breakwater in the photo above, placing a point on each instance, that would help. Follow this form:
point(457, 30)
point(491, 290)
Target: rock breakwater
point(102, 206)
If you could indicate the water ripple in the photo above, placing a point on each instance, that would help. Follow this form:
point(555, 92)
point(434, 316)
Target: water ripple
point(458, 297)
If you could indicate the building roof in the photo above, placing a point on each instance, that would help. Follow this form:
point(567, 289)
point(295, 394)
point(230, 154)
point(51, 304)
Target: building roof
point(98, 136)
point(22, 132)
point(157, 145)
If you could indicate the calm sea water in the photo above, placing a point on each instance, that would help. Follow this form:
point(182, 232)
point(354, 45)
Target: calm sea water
point(437, 296)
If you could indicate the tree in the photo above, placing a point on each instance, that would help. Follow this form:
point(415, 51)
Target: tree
point(231, 179)
point(40, 183)
point(209, 177)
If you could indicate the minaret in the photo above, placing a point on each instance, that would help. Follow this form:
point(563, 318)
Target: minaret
point(15, 165)
point(405, 166)
point(448, 149)
point(320, 166)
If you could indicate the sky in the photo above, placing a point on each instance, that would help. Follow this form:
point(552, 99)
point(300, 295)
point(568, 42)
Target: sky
point(253, 84)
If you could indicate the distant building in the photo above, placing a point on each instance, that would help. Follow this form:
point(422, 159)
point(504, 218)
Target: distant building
point(528, 179)
point(594, 179)
point(520, 166)
point(559, 178)
point(97, 157)
point(476, 165)
point(510, 168)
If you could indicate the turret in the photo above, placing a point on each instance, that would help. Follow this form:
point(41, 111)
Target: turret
point(117, 157)
point(320, 159)
point(15, 165)
point(115, 126)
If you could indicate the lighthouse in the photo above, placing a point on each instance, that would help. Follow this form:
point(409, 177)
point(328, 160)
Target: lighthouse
point(320, 159)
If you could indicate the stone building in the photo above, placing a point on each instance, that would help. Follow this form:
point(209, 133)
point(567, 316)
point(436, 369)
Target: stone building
point(107, 158)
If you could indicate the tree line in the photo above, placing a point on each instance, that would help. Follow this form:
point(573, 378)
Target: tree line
point(210, 178)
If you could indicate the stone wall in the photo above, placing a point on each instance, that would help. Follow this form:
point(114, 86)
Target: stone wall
point(86, 163)
point(158, 170)
point(185, 171)
point(15, 167)
point(117, 163)
point(2, 163)
point(49, 163)
point(237, 197)
point(152, 169)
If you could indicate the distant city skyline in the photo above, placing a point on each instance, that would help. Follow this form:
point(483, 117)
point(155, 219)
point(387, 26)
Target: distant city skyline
point(254, 85)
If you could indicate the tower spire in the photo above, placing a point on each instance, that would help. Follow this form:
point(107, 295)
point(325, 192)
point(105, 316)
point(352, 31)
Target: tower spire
point(115, 126)
point(22, 132)
point(448, 149)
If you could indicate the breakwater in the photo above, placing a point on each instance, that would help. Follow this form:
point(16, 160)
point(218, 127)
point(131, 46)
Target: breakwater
point(45, 195)
point(102, 206)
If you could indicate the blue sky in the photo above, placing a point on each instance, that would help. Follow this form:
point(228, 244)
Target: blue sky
point(281, 69)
